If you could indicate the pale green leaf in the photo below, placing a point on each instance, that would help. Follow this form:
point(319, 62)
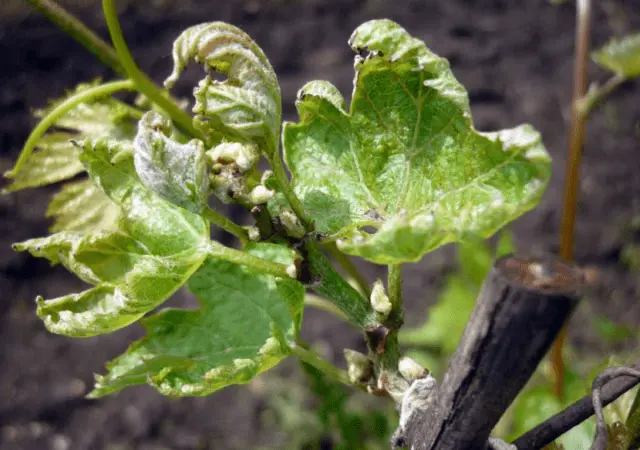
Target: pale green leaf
point(82, 206)
point(56, 157)
point(245, 325)
point(55, 160)
point(621, 56)
point(176, 172)
point(157, 248)
point(247, 105)
point(404, 171)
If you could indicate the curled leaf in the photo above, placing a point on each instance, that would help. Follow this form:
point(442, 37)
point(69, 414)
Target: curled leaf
point(621, 56)
point(247, 105)
point(194, 353)
point(174, 171)
point(404, 171)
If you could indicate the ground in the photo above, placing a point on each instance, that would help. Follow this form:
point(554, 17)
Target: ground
point(515, 58)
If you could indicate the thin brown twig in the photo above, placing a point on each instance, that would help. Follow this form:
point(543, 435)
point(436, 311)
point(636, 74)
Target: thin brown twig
point(572, 176)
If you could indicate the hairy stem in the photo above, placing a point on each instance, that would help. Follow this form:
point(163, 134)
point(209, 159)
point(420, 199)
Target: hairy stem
point(351, 269)
point(313, 359)
point(285, 186)
point(102, 90)
point(246, 259)
point(226, 224)
point(395, 286)
point(72, 26)
point(142, 81)
point(572, 174)
point(320, 303)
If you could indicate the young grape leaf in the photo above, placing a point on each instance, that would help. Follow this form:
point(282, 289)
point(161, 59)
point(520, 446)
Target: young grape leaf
point(187, 353)
point(621, 56)
point(82, 206)
point(247, 105)
point(406, 160)
point(158, 247)
point(176, 172)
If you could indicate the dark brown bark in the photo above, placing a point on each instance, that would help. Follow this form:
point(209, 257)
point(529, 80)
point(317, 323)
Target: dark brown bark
point(521, 308)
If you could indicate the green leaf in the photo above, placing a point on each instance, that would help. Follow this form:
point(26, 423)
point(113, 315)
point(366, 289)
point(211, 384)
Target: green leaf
point(245, 107)
point(56, 157)
point(176, 172)
point(157, 248)
point(245, 325)
point(55, 160)
point(621, 56)
point(82, 206)
point(405, 160)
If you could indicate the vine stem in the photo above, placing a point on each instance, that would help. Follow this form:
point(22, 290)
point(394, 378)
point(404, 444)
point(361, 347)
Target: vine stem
point(394, 286)
point(572, 174)
point(102, 90)
point(246, 259)
point(71, 25)
point(285, 186)
point(226, 224)
point(142, 81)
point(313, 359)
point(350, 268)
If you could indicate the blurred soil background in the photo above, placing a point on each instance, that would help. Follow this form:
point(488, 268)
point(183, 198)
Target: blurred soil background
point(515, 59)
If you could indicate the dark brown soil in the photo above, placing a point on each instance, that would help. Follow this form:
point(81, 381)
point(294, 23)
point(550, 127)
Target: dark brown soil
point(515, 60)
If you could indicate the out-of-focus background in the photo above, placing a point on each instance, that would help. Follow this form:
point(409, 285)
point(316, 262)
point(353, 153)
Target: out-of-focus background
point(515, 59)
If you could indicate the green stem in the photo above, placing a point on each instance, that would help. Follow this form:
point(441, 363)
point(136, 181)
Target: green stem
point(226, 224)
point(50, 119)
point(593, 99)
point(394, 286)
point(246, 259)
point(633, 422)
point(350, 268)
point(142, 81)
point(285, 186)
point(320, 303)
point(313, 359)
point(77, 30)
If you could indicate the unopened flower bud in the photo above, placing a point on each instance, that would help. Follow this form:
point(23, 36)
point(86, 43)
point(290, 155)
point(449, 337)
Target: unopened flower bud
point(410, 369)
point(379, 299)
point(245, 156)
point(291, 223)
point(260, 195)
point(292, 271)
point(254, 234)
point(359, 366)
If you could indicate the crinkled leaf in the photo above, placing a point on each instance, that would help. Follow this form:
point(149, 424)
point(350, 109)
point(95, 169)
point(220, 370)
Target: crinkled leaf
point(82, 206)
point(405, 159)
point(56, 157)
point(247, 105)
point(244, 327)
point(176, 172)
point(621, 56)
point(158, 247)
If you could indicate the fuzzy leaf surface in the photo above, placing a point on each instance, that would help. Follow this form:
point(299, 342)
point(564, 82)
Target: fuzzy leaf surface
point(621, 56)
point(157, 247)
point(247, 105)
point(405, 159)
point(174, 171)
point(244, 327)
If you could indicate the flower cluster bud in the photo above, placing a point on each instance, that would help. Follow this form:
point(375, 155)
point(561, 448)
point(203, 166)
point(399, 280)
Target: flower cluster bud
point(359, 366)
point(379, 299)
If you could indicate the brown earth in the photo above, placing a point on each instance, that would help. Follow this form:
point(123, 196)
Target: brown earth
point(513, 57)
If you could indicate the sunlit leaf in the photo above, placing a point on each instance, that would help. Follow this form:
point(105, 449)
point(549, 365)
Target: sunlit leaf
point(621, 56)
point(244, 326)
point(175, 171)
point(247, 105)
point(82, 206)
point(157, 248)
point(405, 160)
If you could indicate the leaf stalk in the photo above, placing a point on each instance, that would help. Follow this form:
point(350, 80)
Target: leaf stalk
point(220, 251)
point(227, 225)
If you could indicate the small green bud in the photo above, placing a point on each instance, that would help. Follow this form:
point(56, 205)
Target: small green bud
point(379, 299)
point(359, 366)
